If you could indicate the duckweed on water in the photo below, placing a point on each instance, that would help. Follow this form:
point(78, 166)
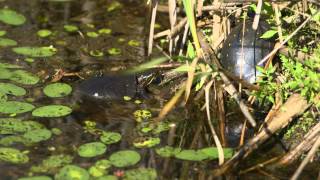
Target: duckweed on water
point(11, 17)
point(57, 90)
point(124, 158)
point(72, 172)
point(52, 111)
point(110, 137)
point(11, 89)
point(92, 149)
point(36, 51)
point(4, 42)
point(13, 156)
point(15, 107)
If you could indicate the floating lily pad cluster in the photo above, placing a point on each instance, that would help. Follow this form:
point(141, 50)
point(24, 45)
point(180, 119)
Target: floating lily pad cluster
point(209, 153)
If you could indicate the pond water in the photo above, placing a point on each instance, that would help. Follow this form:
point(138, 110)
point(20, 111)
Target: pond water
point(88, 38)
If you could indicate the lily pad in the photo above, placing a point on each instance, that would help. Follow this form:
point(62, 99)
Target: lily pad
point(2, 32)
point(146, 142)
point(52, 111)
point(13, 156)
point(24, 77)
point(9, 66)
point(70, 28)
point(140, 174)
point(14, 126)
point(114, 51)
point(35, 51)
point(92, 149)
point(124, 158)
point(191, 155)
point(5, 73)
point(37, 135)
point(212, 152)
point(110, 137)
point(44, 33)
point(108, 177)
point(15, 107)
point(36, 178)
point(92, 34)
point(167, 151)
point(4, 42)
point(12, 89)
point(52, 162)
point(11, 17)
point(72, 172)
point(57, 90)
point(3, 97)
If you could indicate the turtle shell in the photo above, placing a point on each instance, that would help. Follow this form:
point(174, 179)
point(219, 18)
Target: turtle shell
point(243, 61)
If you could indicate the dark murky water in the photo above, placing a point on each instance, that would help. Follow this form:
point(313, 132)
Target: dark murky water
point(127, 23)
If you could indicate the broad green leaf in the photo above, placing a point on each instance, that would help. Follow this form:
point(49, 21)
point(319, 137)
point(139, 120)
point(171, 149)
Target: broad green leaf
point(140, 174)
point(212, 152)
point(70, 28)
point(23, 77)
point(167, 151)
point(4, 42)
point(57, 90)
point(110, 137)
point(36, 51)
point(44, 33)
point(146, 142)
point(15, 107)
point(52, 162)
point(11, 89)
point(191, 155)
point(92, 149)
point(13, 156)
point(9, 66)
point(14, 126)
point(37, 135)
point(114, 51)
point(124, 158)
point(269, 34)
point(52, 111)
point(11, 17)
point(36, 178)
point(72, 172)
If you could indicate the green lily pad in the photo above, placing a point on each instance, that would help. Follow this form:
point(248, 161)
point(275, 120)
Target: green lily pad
point(37, 135)
point(134, 43)
point(13, 156)
point(96, 172)
point(52, 111)
point(191, 155)
point(96, 53)
point(23, 77)
point(11, 17)
point(14, 139)
point(2, 33)
point(5, 73)
point(114, 51)
point(103, 164)
point(92, 34)
point(36, 178)
point(36, 51)
point(146, 142)
point(3, 97)
point(110, 137)
point(12, 89)
point(4, 42)
point(140, 174)
point(167, 151)
point(124, 158)
point(92, 149)
point(14, 126)
point(72, 172)
point(114, 5)
point(70, 28)
point(57, 90)
point(212, 152)
point(15, 107)
point(52, 162)
point(104, 31)
point(44, 33)
point(108, 177)
point(9, 66)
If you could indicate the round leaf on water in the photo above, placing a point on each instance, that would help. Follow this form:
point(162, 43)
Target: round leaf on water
point(114, 51)
point(140, 174)
point(12, 89)
point(2, 33)
point(92, 149)
point(11, 17)
point(110, 137)
point(15, 107)
point(44, 33)
point(24, 77)
point(191, 155)
point(72, 172)
point(4, 42)
point(5, 73)
point(70, 28)
point(96, 172)
point(13, 156)
point(103, 164)
point(146, 142)
point(9, 66)
point(35, 51)
point(36, 178)
point(14, 126)
point(52, 111)
point(3, 97)
point(108, 177)
point(57, 90)
point(124, 158)
point(37, 135)
point(52, 162)
point(167, 151)
point(92, 34)
point(212, 152)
